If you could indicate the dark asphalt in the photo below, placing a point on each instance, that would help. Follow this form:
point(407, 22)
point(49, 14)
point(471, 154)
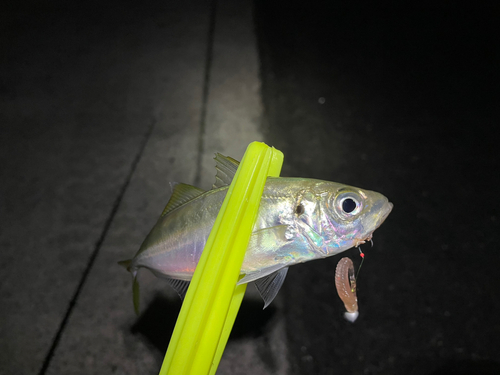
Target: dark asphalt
point(410, 110)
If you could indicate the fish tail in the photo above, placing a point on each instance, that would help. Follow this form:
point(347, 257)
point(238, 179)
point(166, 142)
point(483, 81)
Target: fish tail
point(135, 294)
point(127, 264)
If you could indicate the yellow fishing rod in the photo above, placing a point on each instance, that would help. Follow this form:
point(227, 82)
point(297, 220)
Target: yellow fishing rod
point(213, 298)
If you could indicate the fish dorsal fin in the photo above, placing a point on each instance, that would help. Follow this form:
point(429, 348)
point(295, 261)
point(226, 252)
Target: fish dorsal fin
point(226, 168)
point(181, 194)
point(270, 285)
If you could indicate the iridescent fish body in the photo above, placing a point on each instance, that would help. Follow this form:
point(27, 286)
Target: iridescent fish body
point(299, 220)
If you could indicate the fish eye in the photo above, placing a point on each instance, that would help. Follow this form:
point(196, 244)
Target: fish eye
point(349, 205)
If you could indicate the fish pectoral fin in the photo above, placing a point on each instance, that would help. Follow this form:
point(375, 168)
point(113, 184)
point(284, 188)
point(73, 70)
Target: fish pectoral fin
point(226, 169)
point(180, 286)
point(270, 285)
point(181, 194)
point(262, 242)
point(268, 239)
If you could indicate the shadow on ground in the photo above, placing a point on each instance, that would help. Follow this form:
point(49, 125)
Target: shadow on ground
point(157, 322)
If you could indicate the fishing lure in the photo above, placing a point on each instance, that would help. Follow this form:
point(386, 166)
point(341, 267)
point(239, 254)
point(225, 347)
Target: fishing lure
point(345, 281)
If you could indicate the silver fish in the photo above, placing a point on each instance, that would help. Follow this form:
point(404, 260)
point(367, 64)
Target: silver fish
point(299, 220)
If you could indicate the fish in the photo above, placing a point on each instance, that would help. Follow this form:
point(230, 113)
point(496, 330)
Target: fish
point(299, 220)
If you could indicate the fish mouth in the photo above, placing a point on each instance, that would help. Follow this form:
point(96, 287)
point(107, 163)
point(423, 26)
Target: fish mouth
point(379, 219)
point(386, 210)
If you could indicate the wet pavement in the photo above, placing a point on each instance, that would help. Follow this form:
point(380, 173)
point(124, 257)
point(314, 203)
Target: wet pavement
point(100, 110)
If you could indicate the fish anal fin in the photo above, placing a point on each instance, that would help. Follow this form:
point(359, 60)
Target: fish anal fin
point(226, 168)
point(270, 285)
point(181, 194)
point(180, 286)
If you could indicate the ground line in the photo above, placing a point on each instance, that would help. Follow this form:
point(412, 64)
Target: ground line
point(95, 252)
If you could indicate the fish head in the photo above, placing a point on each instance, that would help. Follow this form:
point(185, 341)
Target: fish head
point(335, 217)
